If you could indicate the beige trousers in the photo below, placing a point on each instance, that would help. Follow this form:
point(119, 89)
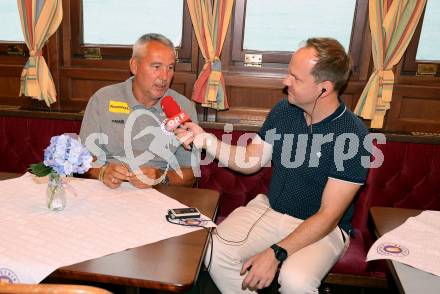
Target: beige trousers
point(302, 272)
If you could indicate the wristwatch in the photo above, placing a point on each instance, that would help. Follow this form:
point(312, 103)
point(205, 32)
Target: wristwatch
point(165, 180)
point(280, 253)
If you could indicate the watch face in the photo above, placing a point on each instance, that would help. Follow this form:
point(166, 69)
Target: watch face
point(280, 253)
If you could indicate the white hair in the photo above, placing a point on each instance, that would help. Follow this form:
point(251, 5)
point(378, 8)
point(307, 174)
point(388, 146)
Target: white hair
point(145, 39)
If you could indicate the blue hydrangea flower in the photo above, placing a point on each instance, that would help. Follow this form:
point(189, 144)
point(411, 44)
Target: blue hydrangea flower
point(65, 155)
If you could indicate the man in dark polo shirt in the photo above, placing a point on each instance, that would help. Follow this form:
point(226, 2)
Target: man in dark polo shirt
point(316, 148)
point(122, 123)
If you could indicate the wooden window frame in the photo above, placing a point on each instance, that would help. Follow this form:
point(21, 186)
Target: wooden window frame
point(123, 52)
point(5, 58)
point(276, 59)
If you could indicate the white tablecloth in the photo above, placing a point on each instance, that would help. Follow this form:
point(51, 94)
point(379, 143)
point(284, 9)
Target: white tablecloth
point(97, 221)
point(416, 243)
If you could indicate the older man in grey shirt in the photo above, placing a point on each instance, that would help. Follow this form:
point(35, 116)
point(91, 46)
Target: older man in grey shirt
point(123, 123)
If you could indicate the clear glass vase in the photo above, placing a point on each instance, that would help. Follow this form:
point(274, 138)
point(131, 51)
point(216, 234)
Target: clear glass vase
point(56, 196)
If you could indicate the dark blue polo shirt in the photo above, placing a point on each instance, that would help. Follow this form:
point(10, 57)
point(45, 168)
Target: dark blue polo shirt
point(304, 157)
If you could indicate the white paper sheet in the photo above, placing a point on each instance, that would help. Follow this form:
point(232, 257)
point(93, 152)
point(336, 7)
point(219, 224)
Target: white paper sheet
point(416, 243)
point(97, 221)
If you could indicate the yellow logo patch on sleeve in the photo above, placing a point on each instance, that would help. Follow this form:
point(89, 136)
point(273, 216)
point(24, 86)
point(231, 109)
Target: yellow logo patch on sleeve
point(118, 107)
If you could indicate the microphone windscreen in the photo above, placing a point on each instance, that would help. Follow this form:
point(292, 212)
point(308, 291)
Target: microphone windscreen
point(170, 107)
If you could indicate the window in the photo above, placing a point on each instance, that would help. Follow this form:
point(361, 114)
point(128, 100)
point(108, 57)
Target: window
point(125, 21)
point(430, 36)
point(11, 27)
point(422, 50)
point(287, 23)
point(275, 30)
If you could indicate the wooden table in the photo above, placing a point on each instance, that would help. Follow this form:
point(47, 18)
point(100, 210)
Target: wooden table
point(408, 279)
point(7, 176)
point(172, 264)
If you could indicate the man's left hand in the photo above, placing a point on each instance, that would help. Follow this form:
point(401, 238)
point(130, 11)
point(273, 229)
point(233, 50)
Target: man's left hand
point(261, 270)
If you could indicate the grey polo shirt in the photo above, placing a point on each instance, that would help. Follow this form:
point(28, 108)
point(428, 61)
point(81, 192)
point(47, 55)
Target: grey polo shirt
point(116, 125)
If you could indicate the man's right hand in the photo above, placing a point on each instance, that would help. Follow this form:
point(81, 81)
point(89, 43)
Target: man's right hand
point(188, 133)
point(115, 174)
point(145, 177)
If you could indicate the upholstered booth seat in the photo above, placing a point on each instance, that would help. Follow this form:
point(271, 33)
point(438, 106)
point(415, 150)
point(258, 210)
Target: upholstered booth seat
point(408, 178)
point(22, 140)
point(235, 189)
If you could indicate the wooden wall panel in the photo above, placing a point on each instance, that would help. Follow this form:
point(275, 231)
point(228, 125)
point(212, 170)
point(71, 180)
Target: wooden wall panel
point(243, 115)
point(349, 100)
point(10, 87)
point(10, 82)
point(183, 82)
point(414, 108)
point(351, 93)
point(82, 90)
point(254, 98)
point(251, 98)
point(78, 85)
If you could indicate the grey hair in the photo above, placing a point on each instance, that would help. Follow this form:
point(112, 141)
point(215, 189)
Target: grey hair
point(145, 39)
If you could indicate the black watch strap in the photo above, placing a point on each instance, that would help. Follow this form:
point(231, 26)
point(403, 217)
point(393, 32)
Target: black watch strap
point(165, 180)
point(280, 252)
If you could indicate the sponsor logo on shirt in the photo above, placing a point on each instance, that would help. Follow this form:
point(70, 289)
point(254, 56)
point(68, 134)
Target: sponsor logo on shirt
point(118, 121)
point(118, 107)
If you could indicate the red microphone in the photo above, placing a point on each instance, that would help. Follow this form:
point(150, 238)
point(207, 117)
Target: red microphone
point(175, 115)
